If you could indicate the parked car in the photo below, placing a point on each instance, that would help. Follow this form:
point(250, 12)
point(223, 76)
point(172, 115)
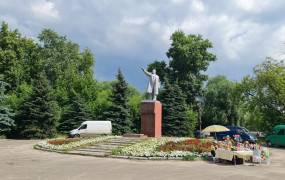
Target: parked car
point(91, 128)
point(236, 131)
point(277, 136)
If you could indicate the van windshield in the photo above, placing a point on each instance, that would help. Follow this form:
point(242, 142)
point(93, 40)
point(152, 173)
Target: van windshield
point(83, 126)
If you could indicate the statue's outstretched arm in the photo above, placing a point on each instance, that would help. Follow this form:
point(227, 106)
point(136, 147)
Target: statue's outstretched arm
point(146, 72)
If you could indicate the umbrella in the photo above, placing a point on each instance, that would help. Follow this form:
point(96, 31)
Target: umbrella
point(215, 129)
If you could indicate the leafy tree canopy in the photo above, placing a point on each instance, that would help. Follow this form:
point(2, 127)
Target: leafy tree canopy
point(219, 104)
point(264, 92)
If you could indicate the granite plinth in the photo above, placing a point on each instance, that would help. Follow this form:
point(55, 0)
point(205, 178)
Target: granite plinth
point(151, 118)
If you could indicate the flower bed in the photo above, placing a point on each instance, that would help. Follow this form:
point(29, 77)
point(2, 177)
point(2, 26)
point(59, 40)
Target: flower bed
point(163, 147)
point(62, 141)
point(66, 145)
point(192, 145)
point(151, 148)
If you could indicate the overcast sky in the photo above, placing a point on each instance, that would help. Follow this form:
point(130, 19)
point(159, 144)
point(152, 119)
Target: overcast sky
point(132, 33)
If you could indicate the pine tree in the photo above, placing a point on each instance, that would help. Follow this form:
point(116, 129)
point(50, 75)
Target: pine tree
point(118, 113)
point(6, 114)
point(176, 119)
point(74, 114)
point(36, 117)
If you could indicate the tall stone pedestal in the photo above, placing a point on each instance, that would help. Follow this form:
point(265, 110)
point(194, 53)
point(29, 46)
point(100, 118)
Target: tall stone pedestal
point(151, 115)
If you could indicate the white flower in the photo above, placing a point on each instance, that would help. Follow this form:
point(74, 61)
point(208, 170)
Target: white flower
point(149, 148)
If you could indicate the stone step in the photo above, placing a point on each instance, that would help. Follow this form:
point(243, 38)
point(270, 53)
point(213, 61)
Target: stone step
point(134, 135)
point(130, 142)
point(105, 148)
point(108, 145)
point(95, 150)
point(100, 154)
point(118, 144)
point(127, 139)
point(118, 141)
point(101, 147)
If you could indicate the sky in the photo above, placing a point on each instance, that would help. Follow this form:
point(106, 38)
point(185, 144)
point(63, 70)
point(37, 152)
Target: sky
point(130, 34)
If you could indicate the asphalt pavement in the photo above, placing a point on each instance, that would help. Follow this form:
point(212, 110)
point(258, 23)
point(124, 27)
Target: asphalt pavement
point(19, 161)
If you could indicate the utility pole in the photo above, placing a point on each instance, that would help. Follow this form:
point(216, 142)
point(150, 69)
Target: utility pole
point(200, 102)
point(200, 118)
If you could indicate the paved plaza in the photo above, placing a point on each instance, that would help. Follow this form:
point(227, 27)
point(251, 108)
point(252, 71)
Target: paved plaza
point(20, 161)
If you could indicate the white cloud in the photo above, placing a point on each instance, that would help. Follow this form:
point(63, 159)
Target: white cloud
point(124, 33)
point(257, 6)
point(138, 21)
point(44, 10)
point(277, 43)
point(197, 5)
point(178, 1)
point(155, 27)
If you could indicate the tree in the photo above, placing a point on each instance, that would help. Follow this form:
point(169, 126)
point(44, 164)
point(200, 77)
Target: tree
point(178, 118)
point(74, 114)
point(6, 114)
point(16, 55)
point(135, 98)
point(264, 93)
point(189, 57)
point(220, 106)
point(36, 117)
point(119, 113)
point(102, 101)
point(67, 67)
point(68, 71)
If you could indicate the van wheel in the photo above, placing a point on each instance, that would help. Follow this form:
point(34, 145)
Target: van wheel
point(77, 136)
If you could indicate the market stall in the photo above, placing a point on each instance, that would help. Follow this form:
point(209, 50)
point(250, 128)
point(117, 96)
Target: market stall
point(245, 155)
point(233, 149)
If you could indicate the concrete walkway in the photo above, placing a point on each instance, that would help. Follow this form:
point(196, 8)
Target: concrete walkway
point(19, 161)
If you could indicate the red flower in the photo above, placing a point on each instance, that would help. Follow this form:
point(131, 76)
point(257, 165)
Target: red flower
point(193, 145)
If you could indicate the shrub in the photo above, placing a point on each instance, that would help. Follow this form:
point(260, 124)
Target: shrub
point(190, 157)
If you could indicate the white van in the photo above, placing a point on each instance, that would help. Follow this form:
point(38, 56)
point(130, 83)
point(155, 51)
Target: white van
point(91, 128)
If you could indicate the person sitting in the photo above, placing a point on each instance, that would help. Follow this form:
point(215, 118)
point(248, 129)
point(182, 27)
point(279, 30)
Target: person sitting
point(214, 147)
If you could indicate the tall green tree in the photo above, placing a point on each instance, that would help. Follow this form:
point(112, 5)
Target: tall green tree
point(74, 114)
point(119, 113)
point(17, 55)
point(135, 99)
point(220, 106)
point(264, 92)
point(67, 67)
point(36, 116)
point(178, 118)
point(189, 57)
point(6, 114)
